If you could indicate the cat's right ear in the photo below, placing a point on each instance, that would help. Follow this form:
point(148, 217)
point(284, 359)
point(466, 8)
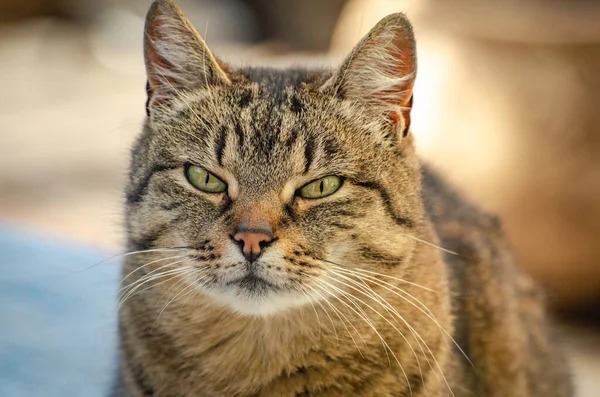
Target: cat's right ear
point(380, 72)
point(177, 58)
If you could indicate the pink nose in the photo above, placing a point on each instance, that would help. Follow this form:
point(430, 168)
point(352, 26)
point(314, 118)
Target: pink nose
point(253, 238)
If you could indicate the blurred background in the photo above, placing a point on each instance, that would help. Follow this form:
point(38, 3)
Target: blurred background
point(507, 105)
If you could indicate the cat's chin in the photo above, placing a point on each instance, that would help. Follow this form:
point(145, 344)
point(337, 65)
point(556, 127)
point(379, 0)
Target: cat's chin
point(261, 304)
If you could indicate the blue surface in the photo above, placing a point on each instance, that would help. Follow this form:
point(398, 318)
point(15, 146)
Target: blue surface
point(58, 317)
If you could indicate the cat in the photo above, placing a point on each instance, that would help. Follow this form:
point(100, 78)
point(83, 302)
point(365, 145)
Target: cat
point(286, 240)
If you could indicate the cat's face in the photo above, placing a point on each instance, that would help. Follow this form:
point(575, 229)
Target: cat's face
point(275, 182)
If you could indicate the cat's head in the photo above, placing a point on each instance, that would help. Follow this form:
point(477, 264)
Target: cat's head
point(276, 181)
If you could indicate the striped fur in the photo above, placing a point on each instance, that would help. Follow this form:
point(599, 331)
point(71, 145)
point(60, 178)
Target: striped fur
point(357, 297)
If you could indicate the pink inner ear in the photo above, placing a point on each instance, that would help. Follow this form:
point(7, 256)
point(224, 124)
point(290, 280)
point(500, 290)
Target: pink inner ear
point(406, 115)
point(402, 52)
point(404, 95)
point(154, 63)
point(396, 119)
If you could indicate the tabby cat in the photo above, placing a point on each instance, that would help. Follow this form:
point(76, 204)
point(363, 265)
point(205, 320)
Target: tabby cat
point(286, 240)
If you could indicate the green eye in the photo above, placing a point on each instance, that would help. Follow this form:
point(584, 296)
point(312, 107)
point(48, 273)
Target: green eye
point(204, 180)
point(321, 187)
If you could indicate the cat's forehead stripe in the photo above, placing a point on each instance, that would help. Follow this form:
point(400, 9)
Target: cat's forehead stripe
point(308, 153)
point(221, 145)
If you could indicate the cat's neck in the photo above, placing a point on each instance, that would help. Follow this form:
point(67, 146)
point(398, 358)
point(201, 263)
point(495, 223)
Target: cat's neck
point(223, 345)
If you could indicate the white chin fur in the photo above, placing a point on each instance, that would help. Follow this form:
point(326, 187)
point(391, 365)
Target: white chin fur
point(263, 305)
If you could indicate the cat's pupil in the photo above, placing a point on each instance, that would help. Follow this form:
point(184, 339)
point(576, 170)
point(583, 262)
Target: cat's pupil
point(206, 178)
point(321, 187)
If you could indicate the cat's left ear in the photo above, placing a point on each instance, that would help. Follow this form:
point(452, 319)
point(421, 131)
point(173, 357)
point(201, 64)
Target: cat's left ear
point(177, 58)
point(380, 72)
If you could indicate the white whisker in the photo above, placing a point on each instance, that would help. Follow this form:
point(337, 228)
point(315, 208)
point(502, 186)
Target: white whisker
point(376, 312)
point(133, 293)
point(131, 289)
point(133, 253)
point(315, 310)
point(381, 275)
point(392, 311)
point(413, 331)
point(340, 316)
point(190, 286)
point(371, 325)
point(151, 273)
point(150, 263)
point(429, 313)
point(429, 243)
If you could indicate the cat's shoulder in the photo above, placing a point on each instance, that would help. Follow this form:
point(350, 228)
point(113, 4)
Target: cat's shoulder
point(470, 233)
point(445, 204)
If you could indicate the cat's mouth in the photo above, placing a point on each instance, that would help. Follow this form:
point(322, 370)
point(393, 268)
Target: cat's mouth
point(253, 284)
point(250, 292)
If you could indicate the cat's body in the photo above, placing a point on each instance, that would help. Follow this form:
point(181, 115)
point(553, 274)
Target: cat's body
point(257, 282)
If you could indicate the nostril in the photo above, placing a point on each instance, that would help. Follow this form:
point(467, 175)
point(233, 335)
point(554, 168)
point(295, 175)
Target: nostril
point(237, 241)
point(265, 243)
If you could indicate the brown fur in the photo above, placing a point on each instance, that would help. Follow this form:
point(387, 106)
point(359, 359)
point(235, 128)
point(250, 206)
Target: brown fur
point(366, 302)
